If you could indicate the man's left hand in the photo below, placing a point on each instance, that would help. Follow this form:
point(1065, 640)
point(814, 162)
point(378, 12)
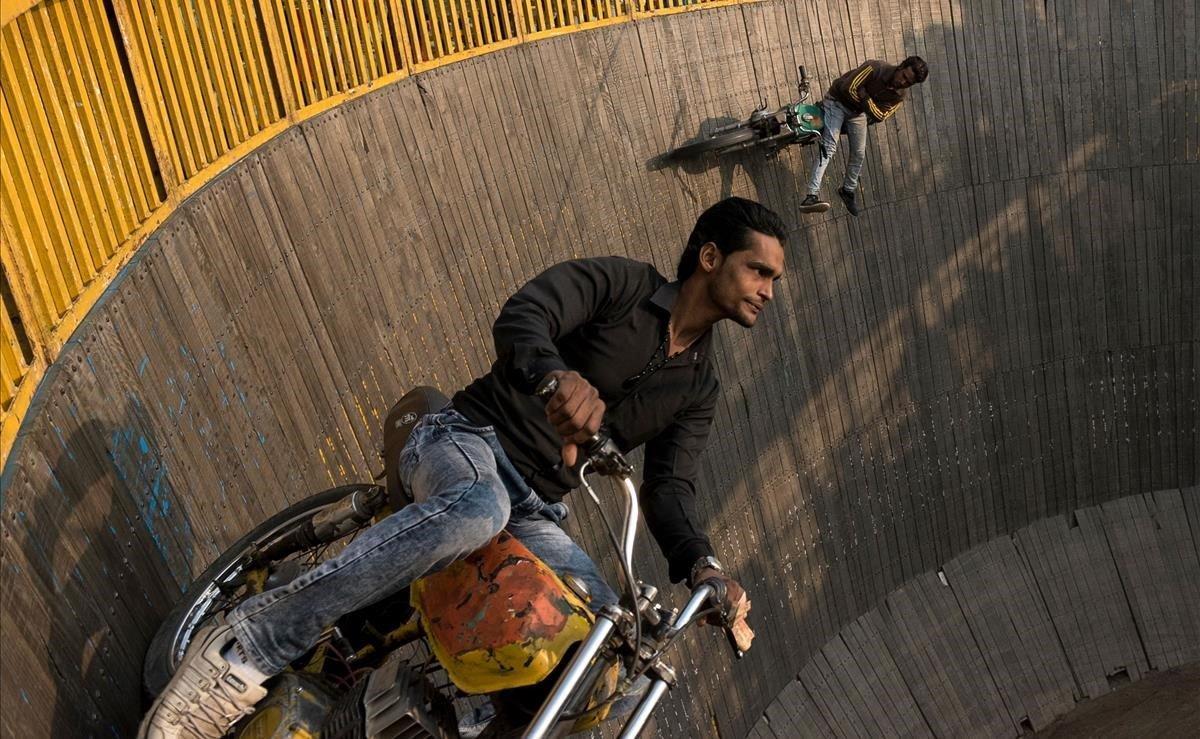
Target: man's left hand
point(736, 603)
point(734, 608)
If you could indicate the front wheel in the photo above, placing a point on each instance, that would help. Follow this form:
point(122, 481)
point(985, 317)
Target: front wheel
point(224, 584)
point(717, 144)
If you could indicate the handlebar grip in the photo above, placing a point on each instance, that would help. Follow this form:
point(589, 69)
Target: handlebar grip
point(803, 74)
point(740, 636)
point(547, 388)
point(600, 449)
point(733, 642)
point(738, 633)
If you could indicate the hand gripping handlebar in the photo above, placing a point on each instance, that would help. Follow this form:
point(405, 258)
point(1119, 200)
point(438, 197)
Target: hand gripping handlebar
point(601, 451)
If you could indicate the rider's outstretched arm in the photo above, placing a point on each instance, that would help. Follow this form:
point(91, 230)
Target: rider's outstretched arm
point(668, 497)
point(668, 492)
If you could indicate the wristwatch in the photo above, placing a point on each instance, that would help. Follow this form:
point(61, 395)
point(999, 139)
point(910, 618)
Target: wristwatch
point(704, 563)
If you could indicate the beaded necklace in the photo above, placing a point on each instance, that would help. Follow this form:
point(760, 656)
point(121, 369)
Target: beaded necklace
point(657, 361)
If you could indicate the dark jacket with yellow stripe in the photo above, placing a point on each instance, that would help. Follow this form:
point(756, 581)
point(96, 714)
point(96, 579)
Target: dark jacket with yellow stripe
point(866, 89)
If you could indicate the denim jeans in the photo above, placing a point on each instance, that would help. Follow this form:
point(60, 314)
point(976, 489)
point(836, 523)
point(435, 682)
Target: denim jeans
point(837, 118)
point(466, 491)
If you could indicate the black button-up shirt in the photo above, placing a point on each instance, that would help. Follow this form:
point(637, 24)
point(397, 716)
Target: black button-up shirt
point(606, 319)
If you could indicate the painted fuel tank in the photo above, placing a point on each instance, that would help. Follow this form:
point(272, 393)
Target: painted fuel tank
point(499, 618)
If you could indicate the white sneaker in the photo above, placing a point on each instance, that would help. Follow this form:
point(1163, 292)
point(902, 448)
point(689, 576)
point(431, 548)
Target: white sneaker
point(207, 695)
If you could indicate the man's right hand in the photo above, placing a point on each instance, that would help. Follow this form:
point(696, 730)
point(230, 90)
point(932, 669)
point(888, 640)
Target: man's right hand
point(576, 412)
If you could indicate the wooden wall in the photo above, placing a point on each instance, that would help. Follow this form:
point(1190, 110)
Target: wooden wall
point(1012, 633)
point(1007, 334)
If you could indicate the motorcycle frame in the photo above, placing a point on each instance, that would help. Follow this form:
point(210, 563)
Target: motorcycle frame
point(606, 632)
point(790, 130)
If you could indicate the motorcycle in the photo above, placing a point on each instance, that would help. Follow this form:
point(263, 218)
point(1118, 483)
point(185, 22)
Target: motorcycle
point(496, 644)
point(794, 123)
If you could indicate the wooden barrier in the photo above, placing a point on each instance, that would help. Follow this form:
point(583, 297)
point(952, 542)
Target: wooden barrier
point(114, 113)
point(1007, 334)
point(1008, 636)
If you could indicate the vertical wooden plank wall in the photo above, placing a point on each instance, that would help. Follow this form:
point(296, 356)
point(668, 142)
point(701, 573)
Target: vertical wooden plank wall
point(1007, 334)
point(1009, 635)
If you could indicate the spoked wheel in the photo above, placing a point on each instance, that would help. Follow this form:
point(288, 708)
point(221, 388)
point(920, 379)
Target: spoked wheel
point(717, 144)
point(227, 581)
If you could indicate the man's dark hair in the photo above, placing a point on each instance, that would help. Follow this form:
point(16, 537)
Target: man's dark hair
point(727, 224)
point(919, 67)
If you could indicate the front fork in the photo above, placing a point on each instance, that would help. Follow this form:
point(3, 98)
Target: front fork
point(572, 678)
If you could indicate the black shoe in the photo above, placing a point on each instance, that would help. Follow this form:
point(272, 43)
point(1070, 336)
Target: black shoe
point(812, 204)
point(848, 197)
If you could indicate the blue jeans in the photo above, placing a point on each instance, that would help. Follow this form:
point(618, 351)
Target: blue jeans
point(466, 491)
point(837, 118)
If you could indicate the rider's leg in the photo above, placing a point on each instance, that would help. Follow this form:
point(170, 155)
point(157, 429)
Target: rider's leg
point(856, 132)
point(536, 524)
point(463, 503)
point(834, 115)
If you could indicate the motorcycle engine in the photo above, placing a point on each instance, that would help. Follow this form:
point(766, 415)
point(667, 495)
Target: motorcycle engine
point(394, 701)
point(295, 706)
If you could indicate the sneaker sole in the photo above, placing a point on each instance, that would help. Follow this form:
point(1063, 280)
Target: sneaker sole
point(818, 208)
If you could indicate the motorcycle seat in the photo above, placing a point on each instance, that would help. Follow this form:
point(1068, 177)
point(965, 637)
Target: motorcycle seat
point(397, 427)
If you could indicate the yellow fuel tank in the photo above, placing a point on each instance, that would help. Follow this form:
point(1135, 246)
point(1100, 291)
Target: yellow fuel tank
point(499, 618)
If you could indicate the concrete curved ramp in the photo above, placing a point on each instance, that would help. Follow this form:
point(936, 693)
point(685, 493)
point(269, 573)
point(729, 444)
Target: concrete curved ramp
point(1008, 333)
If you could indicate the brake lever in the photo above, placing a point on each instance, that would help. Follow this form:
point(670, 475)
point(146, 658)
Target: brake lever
point(606, 458)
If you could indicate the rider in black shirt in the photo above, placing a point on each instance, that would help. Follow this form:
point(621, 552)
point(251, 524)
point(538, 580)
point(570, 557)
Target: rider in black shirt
point(607, 319)
point(628, 348)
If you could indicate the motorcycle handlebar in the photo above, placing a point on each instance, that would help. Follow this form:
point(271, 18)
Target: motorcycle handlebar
point(600, 450)
point(803, 74)
point(711, 591)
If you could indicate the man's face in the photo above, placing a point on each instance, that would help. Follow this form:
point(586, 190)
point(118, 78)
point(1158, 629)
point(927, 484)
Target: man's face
point(904, 77)
point(744, 282)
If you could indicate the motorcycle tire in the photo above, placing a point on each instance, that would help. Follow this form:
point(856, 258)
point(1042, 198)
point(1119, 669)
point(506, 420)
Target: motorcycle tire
point(715, 144)
point(170, 642)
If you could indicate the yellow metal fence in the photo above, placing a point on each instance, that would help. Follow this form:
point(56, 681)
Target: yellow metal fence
point(114, 111)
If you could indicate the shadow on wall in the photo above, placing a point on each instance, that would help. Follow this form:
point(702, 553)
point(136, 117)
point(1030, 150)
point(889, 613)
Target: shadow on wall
point(766, 174)
point(110, 519)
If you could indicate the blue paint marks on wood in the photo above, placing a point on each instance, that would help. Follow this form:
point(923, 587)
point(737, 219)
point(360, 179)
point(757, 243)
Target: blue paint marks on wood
point(137, 464)
point(142, 367)
point(63, 442)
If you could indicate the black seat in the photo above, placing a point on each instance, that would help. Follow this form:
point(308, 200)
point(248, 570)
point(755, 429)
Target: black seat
point(397, 427)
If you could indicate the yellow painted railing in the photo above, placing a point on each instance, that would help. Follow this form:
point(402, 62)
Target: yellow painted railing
point(114, 111)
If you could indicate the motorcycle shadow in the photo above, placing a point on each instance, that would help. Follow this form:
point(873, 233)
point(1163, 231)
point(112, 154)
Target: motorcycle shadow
point(764, 172)
point(693, 164)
